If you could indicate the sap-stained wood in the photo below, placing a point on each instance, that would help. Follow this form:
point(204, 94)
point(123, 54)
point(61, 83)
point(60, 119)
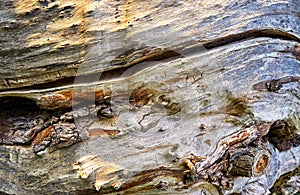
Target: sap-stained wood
point(149, 97)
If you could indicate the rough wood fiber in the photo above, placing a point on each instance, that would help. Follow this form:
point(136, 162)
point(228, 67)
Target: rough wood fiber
point(148, 97)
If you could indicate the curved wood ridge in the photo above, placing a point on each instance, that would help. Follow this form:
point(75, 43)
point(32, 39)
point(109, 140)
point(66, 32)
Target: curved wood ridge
point(148, 97)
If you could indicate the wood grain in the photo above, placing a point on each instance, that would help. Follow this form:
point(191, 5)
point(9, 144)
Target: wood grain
point(164, 89)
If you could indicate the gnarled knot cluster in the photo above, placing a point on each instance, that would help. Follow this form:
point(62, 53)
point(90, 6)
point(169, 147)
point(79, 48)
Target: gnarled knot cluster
point(23, 122)
point(243, 153)
point(64, 131)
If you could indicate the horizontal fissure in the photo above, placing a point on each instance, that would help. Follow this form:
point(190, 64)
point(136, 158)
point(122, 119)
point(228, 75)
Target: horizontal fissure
point(166, 56)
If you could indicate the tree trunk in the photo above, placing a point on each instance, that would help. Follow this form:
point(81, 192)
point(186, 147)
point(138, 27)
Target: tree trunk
point(149, 97)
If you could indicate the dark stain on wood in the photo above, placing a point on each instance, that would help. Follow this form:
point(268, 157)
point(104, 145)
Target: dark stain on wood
point(236, 106)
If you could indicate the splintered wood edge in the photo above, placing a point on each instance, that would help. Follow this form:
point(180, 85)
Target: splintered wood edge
point(91, 164)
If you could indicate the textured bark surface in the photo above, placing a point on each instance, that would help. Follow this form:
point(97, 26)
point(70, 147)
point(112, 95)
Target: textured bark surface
point(149, 97)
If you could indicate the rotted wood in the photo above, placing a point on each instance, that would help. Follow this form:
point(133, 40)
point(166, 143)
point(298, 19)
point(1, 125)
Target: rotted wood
point(148, 97)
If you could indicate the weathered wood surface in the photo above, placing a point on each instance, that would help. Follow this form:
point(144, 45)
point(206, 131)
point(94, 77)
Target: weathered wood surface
point(148, 97)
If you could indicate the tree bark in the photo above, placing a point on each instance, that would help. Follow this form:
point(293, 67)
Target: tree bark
point(149, 97)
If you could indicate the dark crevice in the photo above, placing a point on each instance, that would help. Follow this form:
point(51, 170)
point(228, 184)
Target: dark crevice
point(106, 75)
point(17, 117)
point(21, 120)
point(252, 34)
point(283, 135)
point(169, 55)
point(17, 105)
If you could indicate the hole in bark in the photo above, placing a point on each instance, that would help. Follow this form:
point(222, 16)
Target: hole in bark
point(20, 120)
point(17, 116)
point(17, 105)
point(283, 135)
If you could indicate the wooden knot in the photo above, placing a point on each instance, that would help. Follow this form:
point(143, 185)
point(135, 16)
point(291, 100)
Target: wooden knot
point(249, 162)
point(261, 163)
